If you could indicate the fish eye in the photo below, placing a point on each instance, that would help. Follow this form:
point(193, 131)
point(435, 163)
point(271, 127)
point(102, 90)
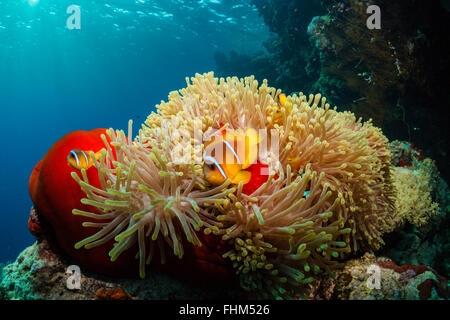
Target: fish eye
point(212, 166)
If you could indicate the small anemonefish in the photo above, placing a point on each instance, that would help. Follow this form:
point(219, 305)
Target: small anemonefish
point(283, 102)
point(295, 163)
point(229, 155)
point(79, 159)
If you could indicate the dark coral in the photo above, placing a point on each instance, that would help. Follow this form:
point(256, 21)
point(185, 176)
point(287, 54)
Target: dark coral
point(111, 294)
point(426, 287)
point(394, 75)
point(288, 48)
point(410, 271)
point(425, 245)
point(391, 75)
point(418, 269)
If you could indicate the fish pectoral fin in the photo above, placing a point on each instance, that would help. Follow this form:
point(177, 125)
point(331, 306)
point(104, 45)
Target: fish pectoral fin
point(243, 176)
point(97, 154)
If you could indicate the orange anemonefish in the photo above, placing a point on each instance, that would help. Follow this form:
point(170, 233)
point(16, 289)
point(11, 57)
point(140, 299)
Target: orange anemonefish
point(79, 159)
point(295, 163)
point(283, 102)
point(229, 155)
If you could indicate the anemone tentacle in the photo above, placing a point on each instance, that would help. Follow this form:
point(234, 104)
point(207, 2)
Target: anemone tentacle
point(283, 233)
point(329, 191)
point(145, 199)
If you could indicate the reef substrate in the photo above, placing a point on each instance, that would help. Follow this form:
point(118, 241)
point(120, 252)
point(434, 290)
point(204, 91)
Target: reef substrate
point(40, 273)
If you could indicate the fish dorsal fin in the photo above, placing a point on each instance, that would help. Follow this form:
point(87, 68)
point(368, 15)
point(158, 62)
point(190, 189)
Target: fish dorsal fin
point(246, 145)
point(230, 148)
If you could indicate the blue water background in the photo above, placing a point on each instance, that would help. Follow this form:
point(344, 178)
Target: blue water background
point(126, 58)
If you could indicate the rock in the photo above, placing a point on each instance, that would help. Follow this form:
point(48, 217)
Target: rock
point(40, 273)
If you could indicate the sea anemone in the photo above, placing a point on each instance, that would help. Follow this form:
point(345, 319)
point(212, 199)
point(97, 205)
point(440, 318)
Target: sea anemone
point(328, 189)
point(147, 199)
point(354, 158)
point(280, 236)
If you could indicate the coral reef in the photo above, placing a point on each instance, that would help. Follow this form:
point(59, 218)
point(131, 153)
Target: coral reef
point(40, 272)
point(391, 75)
point(410, 282)
point(427, 245)
point(287, 48)
point(413, 201)
point(403, 153)
point(426, 242)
